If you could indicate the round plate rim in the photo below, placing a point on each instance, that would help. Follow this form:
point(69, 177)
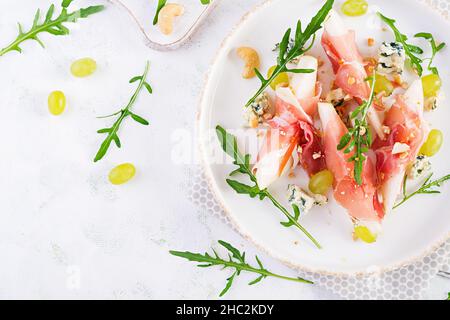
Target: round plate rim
point(222, 203)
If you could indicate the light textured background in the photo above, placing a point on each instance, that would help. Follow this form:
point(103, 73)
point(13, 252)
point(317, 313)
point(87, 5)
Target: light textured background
point(65, 232)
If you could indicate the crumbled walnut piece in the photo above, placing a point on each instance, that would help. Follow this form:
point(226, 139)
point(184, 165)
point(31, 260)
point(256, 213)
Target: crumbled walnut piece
point(351, 80)
point(362, 131)
point(400, 148)
point(316, 155)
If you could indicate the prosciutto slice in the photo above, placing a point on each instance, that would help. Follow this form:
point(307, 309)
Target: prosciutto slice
point(305, 85)
point(340, 46)
point(361, 201)
point(290, 140)
point(407, 132)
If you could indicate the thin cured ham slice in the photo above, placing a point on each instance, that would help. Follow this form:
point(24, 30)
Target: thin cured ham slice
point(407, 132)
point(290, 140)
point(277, 156)
point(340, 46)
point(288, 107)
point(290, 112)
point(361, 201)
point(305, 85)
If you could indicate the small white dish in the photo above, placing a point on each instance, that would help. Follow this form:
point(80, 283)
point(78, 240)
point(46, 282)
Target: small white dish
point(412, 231)
point(142, 13)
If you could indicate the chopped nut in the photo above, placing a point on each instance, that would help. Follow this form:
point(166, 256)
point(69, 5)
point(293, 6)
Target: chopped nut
point(400, 148)
point(398, 79)
point(431, 103)
point(251, 59)
point(253, 122)
point(386, 129)
point(351, 80)
point(337, 97)
point(404, 155)
point(317, 155)
point(362, 131)
point(320, 62)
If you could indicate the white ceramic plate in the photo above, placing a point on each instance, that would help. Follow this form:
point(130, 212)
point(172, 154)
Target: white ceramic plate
point(409, 233)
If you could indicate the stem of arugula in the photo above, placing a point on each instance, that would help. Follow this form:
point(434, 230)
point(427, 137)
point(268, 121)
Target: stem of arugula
point(138, 89)
point(287, 214)
point(262, 272)
point(131, 102)
point(112, 133)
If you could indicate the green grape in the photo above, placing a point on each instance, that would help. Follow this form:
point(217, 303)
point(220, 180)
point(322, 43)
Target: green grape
point(56, 102)
point(354, 8)
point(321, 182)
point(433, 144)
point(282, 79)
point(364, 234)
point(122, 173)
point(383, 84)
point(83, 67)
point(431, 85)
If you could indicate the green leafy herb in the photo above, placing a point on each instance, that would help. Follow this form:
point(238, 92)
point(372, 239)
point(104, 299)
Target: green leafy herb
point(289, 52)
point(428, 187)
point(230, 146)
point(162, 3)
point(50, 25)
point(435, 48)
point(236, 260)
point(112, 132)
point(448, 296)
point(410, 50)
point(359, 139)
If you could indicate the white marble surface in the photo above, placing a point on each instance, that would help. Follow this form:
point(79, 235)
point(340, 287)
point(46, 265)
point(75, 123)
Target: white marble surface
point(65, 232)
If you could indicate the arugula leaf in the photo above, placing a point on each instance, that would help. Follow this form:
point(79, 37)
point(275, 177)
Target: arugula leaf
point(358, 139)
point(229, 145)
point(112, 132)
point(288, 52)
point(236, 261)
point(435, 48)
point(161, 4)
point(53, 26)
point(428, 187)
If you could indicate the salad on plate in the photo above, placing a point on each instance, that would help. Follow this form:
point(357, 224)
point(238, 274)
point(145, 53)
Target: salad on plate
point(361, 135)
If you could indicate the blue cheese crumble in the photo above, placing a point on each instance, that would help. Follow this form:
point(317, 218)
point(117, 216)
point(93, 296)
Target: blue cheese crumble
point(391, 58)
point(338, 97)
point(303, 199)
point(259, 111)
point(420, 166)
